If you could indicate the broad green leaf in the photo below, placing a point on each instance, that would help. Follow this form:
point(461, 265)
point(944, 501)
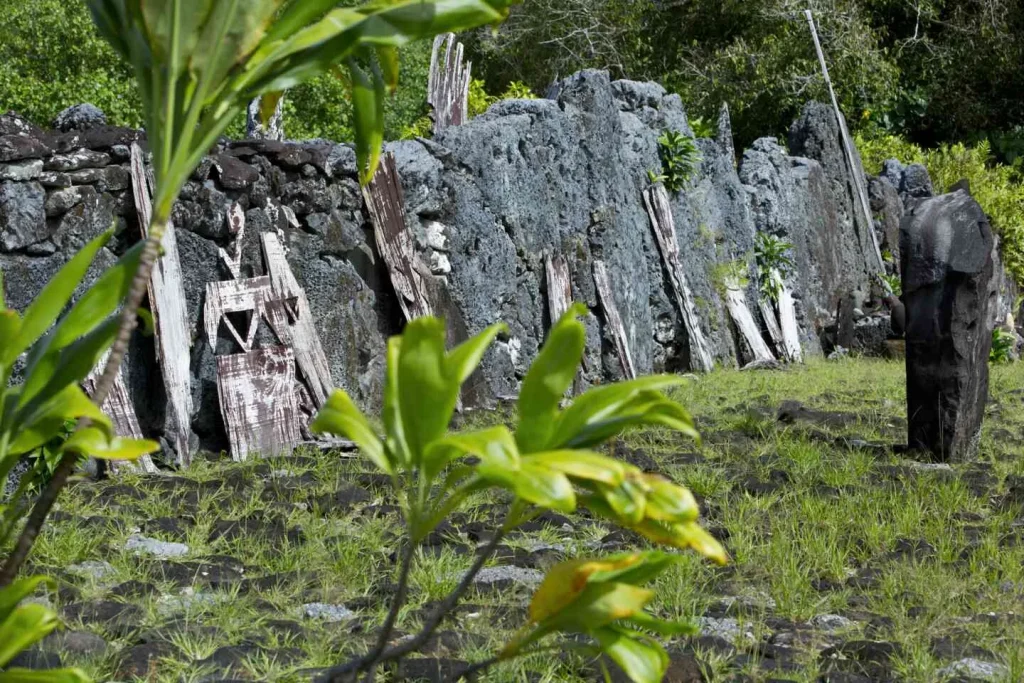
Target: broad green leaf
point(566, 581)
point(667, 502)
point(600, 604)
point(603, 413)
point(94, 443)
point(585, 465)
point(544, 487)
point(17, 591)
point(268, 106)
point(45, 676)
point(464, 358)
point(69, 404)
point(499, 458)
point(100, 301)
point(427, 396)
point(10, 325)
point(341, 416)
point(25, 626)
point(669, 629)
point(297, 14)
point(70, 365)
point(36, 435)
point(550, 376)
point(640, 658)
point(55, 295)
point(627, 500)
point(634, 568)
point(387, 57)
point(367, 119)
point(394, 427)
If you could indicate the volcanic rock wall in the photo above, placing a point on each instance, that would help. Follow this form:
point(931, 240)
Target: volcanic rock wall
point(486, 203)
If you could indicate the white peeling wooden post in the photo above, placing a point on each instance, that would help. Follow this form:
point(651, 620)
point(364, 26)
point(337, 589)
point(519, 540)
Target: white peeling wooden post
point(167, 303)
point(858, 180)
point(659, 210)
point(448, 84)
point(121, 409)
point(274, 128)
point(386, 204)
point(559, 287)
point(614, 320)
point(771, 322)
point(790, 329)
point(736, 303)
point(303, 337)
point(256, 388)
point(236, 226)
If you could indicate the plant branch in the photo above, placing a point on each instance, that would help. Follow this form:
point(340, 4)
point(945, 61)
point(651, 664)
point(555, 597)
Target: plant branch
point(343, 672)
point(129, 320)
point(371, 659)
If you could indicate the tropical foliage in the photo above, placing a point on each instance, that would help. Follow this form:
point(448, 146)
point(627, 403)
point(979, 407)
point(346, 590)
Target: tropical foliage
point(547, 462)
point(999, 188)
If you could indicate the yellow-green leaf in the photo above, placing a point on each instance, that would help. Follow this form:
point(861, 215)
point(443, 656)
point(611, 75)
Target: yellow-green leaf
point(341, 416)
point(639, 657)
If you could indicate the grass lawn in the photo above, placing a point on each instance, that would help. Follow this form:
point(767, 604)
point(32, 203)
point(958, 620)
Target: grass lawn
point(850, 562)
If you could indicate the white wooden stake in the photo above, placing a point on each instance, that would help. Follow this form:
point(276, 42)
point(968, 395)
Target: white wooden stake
point(858, 181)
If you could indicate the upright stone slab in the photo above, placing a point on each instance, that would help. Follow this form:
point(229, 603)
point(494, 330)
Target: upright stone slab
point(946, 248)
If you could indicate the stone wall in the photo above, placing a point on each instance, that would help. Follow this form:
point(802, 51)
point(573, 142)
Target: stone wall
point(486, 203)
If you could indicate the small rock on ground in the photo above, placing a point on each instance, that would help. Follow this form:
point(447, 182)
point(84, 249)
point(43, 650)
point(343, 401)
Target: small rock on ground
point(331, 614)
point(143, 545)
point(975, 668)
point(493, 575)
point(93, 569)
point(727, 629)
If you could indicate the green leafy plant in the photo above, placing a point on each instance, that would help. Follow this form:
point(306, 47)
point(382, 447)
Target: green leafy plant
point(729, 275)
point(1004, 343)
point(547, 463)
point(679, 159)
point(998, 188)
point(773, 264)
point(198, 63)
point(21, 627)
point(893, 283)
point(702, 128)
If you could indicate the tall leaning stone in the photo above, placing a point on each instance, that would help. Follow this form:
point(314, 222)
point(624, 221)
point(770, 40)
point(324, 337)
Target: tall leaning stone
point(946, 249)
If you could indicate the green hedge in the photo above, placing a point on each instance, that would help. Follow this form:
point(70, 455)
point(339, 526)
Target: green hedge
point(52, 58)
point(997, 187)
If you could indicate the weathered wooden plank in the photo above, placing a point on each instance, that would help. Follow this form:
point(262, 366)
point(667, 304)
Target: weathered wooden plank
point(303, 337)
point(121, 409)
point(257, 401)
point(659, 210)
point(167, 303)
point(771, 323)
point(790, 329)
point(559, 287)
point(236, 226)
point(736, 303)
point(252, 295)
point(386, 204)
point(448, 83)
point(613, 319)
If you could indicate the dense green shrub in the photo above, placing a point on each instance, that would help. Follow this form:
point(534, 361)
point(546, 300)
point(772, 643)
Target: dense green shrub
point(51, 57)
point(997, 187)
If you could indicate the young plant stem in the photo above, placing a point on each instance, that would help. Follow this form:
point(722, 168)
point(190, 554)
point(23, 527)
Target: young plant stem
point(373, 657)
point(347, 671)
point(129, 320)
